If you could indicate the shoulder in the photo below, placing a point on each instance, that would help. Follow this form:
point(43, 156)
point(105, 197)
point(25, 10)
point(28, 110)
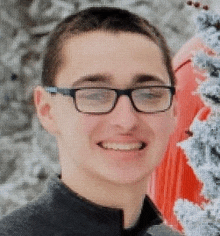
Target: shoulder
point(163, 230)
point(24, 220)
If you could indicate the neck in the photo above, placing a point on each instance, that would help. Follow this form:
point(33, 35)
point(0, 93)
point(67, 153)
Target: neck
point(128, 197)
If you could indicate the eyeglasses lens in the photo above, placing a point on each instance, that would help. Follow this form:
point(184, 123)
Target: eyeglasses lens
point(153, 99)
point(97, 100)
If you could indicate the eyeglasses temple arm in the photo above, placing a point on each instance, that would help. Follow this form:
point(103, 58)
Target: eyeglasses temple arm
point(68, 92)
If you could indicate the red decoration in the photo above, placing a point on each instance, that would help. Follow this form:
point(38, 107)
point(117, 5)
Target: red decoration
point(197, 4)
point(217, 26)
point(203, 113)
point(189, 3)
point(174, 178)
point(190, 133)
point(206, 7)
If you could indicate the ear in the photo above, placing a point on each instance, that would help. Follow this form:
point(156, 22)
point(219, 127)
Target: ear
point(43, 104)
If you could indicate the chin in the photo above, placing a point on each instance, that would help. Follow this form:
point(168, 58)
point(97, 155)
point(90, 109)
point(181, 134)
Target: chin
point(122, 177)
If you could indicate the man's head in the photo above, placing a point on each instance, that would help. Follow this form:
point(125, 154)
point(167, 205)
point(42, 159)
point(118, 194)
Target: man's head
point(105, 19)
point(111, 51)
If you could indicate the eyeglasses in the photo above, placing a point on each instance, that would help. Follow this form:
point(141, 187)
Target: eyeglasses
point(100, 100)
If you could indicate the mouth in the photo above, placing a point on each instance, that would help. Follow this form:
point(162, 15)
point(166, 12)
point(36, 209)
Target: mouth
point(122, 146)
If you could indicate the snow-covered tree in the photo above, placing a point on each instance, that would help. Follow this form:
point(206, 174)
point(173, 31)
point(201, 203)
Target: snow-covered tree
point(203, 147)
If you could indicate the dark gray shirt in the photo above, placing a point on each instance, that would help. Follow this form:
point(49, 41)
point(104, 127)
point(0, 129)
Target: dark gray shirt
point(61, 212)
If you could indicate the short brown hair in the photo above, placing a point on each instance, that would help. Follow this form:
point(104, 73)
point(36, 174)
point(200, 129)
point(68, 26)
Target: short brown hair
point(109, 19)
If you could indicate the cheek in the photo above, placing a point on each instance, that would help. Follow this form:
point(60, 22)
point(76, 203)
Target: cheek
point(65, 118)
point(83, 126)
point(162, 128)
point(72, 123)
point(90, 124)
point(163, 125)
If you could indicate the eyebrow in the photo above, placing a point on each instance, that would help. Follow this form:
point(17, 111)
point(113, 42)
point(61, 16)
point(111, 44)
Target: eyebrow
point(107, 79)
point(143, 78)
point(94, 78)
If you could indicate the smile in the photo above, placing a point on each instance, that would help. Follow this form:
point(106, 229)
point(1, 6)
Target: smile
point(122, 147)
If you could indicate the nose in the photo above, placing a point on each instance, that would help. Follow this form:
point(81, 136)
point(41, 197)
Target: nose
point(124, 116)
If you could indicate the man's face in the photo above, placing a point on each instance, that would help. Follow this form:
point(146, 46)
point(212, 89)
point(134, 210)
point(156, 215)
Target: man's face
point(101, 59)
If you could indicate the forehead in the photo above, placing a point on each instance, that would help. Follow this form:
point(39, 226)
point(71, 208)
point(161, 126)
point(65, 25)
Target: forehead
point(114, 58)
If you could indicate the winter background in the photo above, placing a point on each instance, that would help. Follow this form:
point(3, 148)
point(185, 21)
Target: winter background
point(28, 155)
point(202, 148)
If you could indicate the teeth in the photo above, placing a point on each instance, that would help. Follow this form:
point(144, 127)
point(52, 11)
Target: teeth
point(116, 146)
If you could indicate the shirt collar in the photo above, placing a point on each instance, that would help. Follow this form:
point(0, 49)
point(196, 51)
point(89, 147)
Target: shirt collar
point(81, 215)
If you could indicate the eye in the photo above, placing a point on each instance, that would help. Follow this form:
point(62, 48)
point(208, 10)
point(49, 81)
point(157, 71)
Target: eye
point(148, 94)
point(98, 95)
point(90, 94)
point(95, 96)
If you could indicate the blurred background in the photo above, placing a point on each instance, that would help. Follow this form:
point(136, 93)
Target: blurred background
point(28, 155)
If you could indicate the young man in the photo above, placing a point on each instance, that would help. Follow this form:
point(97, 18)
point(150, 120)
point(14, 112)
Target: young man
point(108, 98)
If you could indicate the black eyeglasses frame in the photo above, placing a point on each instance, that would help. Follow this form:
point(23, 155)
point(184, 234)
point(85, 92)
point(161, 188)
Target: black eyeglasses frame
point(119, 92)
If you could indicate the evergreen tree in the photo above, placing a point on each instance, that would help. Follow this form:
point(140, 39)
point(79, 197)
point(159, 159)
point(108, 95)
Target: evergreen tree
point(203, 147)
